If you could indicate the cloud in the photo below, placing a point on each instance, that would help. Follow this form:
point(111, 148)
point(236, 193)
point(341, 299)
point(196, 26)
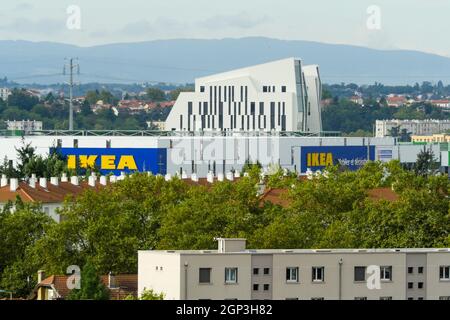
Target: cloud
point(39, 27)
point(145, 27)
point(238, 21)
point(23, 6)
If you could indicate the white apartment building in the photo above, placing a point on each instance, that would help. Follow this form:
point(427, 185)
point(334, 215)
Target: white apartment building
point(282, 95)
point(4, 93)
point(415, 127)
point(234, 272)
point(24, 125)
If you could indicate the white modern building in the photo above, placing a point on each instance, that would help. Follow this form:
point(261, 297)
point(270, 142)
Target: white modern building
point(24, 125)
point(282, 95)
point(415, 127)
point(234, 272)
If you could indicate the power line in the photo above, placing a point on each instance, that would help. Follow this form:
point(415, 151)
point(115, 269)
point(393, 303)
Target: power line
point(71, 67)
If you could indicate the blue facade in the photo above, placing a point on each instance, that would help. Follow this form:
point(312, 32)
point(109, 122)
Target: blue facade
point(352, 157)
point(117, 160)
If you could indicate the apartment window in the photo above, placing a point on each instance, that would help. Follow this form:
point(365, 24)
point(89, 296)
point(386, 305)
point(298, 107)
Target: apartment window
point(444, 272)
point(410, 285)
point(410, 298)
point(204, 275)
point(292, 274)
point(420, 285)
point(420, 270)
point(360, 273)
point(318, 274)
point(410, 270)
point(255, 271)
point(360, 298)
point(385, 298)
point(386, 273)
point(283, 88)
point(231, 275)
point(420, 298)
point(266, 271)
point(202, 88)
point(266, 287)
point(255, 287)
point(265, 89)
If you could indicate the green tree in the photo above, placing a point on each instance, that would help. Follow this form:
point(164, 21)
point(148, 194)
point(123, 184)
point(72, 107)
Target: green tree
point(149, 294)
point(155, 95)
point(426, 163)
point(91, 286)
point(20, 229)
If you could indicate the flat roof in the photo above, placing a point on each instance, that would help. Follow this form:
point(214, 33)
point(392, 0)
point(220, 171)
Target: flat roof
point(302, 251)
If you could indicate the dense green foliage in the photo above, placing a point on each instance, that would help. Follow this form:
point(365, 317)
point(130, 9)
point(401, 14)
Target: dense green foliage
point(351, 118)
point(108, 227)
point(54, 113)
point(91, 287)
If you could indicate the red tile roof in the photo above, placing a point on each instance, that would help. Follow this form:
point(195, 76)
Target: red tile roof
point(51, 194)
point(124, 285)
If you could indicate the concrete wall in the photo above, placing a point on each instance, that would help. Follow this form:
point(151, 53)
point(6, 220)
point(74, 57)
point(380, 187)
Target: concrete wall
point(160, 272)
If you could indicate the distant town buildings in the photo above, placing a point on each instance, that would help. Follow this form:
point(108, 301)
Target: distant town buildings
point(443, 103)
point(383, 128)
point(235, 272)
point(160, 125)
point(396, 101)
point(24, 125)
point(435, 138)
point(357, 100)
point(5, 93)
point(282, 95)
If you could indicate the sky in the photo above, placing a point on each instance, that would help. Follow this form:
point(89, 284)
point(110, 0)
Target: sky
point(421, 25)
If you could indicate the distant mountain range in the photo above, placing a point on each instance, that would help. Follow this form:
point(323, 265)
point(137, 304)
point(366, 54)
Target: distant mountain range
point(181, 61)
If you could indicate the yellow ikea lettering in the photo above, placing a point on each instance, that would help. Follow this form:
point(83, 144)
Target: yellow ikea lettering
point(127, 162)
point(319, 159)
point(108, 162)
point(87, 161)
point(71, 162)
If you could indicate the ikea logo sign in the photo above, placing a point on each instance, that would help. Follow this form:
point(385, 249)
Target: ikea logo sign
point(351, 157)
point(319, 159)
point(116, 160)
point(107, 162)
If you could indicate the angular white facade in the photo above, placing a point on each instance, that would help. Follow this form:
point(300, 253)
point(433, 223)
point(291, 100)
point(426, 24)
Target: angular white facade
point(277, 96)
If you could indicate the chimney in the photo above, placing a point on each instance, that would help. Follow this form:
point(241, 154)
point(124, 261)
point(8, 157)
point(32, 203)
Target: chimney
point(194, 177)
point(43, 182)
point(111, 280)
point(54, 181)
point(168, 177)
point(91, 181)
point(112, 179)
point(220, 176)
point(230, 176)
point(231, 244)
point(13, 184)
point(32, 182)
point(74, 180)
point(103, 180)
point(64, 178)
point(210, 177)
point(4, 180)
point(41, 276)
